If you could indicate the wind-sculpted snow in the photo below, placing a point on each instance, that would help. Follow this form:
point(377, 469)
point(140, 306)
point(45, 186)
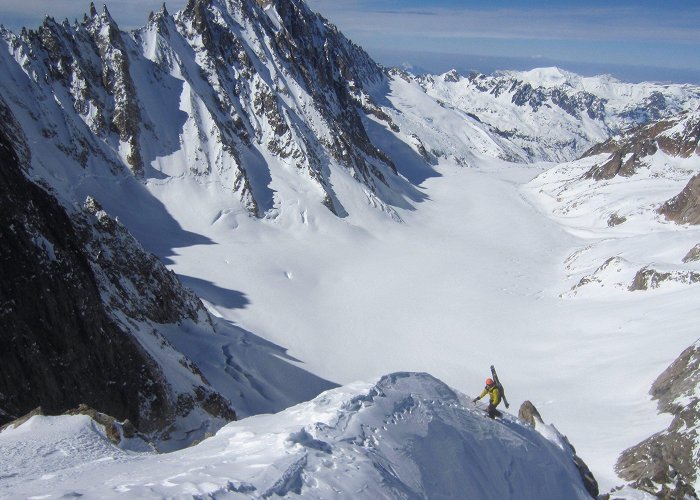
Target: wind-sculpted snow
point(406, 436)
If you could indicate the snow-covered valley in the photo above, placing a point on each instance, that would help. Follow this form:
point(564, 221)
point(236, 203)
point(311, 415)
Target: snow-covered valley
point(386, 226)
point(472, 277)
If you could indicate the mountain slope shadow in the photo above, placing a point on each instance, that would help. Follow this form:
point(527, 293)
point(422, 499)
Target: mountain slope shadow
point(255, 375)
point(408, 162)
point(145, 216)
point(230, 299)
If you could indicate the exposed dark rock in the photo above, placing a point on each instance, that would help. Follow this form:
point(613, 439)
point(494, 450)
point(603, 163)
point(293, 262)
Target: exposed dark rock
point(625, 160)
point(650, 109)
point(114, 430)
point(684, 208)
point(665, 463)
point(16, 422)
point(678, 136)
point(112, 427)
point(648, 278)
point(685, 142)
point(529, 414)
point(58, 347)
point(616, 220)
point(132, 281)
point(60, 344)
point(5, 417)
point(693, 255)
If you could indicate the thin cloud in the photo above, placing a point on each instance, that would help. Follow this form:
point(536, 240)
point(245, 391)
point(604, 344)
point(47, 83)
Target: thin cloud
point(614, 23)
point(408, 12)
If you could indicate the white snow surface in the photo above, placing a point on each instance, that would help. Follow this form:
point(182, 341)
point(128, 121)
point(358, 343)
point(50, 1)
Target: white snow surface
point(464, 262)
point(472, 276)
point(407, 435)
point(475, 274)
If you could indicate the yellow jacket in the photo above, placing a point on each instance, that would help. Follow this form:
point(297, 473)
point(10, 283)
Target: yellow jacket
point(493, 393)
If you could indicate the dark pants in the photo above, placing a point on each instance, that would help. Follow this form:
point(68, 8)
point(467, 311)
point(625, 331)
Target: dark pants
point(493, 412)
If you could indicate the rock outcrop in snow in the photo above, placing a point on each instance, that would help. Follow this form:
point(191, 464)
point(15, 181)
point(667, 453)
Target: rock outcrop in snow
point(676, 136)
point(406, 436)
point(665, 464)
point(531, 416)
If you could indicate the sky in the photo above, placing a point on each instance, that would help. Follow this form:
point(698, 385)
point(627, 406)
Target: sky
point(633, 40)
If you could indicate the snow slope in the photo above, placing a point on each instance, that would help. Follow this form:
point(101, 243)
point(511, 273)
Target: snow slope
point(404, 436)
point(473, 276)
point(448, 267)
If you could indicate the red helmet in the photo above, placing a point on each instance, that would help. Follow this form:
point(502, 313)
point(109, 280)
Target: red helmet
point(489, 382)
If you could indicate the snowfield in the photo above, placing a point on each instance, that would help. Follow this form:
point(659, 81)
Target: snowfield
point(406, 435)
point(470, 278)
point(461, 260)
point(479, 272)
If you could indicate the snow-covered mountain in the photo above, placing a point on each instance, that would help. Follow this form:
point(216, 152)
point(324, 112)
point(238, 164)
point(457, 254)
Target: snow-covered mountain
point(90, 317)
point(404, 436)
point(261, 100)
point(630, 190)
point(265, 159)
point(554, 115)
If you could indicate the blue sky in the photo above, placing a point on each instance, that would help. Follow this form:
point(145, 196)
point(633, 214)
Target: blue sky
point(634, 40)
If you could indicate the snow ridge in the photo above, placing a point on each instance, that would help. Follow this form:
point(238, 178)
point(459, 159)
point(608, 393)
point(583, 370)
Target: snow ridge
point(407, 435)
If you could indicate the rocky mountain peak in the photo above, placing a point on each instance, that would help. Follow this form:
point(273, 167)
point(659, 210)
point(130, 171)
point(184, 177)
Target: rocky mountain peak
point(159, 16)
point(273, 78)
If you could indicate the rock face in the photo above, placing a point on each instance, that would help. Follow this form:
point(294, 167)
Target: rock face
point(665, 464)
point(678, 136)
point(693, 254)
point(685, 207)
point(72, 289)
point(531, 416)
point(209, 92)
point(115, 431)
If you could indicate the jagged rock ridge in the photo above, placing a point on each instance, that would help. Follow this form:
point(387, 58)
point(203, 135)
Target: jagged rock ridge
point(212, 92)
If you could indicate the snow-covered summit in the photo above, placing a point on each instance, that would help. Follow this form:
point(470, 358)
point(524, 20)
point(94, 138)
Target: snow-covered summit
point(544, 77)
point(407, 435)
